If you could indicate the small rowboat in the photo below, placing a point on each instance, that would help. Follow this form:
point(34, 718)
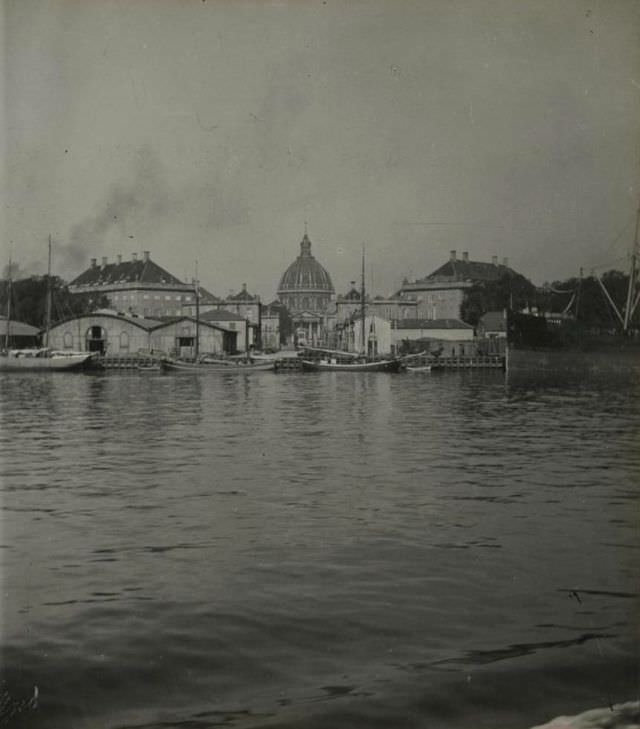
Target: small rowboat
point(418, 369)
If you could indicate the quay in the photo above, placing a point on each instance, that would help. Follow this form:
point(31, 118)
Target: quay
point(124, 361)
point(294, 364)
point(495, 362)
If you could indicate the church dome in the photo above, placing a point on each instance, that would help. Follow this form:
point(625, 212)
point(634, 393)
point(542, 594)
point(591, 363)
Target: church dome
point(305, 274)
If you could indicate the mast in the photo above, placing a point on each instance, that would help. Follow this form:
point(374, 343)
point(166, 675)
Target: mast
point(362, 294)
point(197, 293)
point(48, 301)
point(630, 306)
point(7, 335)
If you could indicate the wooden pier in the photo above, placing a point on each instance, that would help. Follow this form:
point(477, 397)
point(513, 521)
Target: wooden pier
point(125, 361)
point(493, 362)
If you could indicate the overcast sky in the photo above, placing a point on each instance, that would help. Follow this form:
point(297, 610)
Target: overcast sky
point(213, 129)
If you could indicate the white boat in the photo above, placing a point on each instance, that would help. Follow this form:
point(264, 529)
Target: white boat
point(418, 369)
point(42, 359)
point(39, 359)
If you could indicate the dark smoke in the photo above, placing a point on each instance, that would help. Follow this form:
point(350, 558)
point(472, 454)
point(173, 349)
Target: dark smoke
point(130, 210)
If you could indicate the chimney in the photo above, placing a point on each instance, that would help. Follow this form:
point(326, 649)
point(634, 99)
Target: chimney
point(453, 255)
point(505, 261)
point(94, 263)
point(119, 258)
point(244, 288)
point(134, 257)
point(494, 260)
point(465, 256)
point(145, 255)
point(104, 261)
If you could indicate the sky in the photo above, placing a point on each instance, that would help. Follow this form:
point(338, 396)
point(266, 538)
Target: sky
point(212, 131)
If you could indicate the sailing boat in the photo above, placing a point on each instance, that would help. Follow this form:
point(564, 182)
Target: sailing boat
point(206, 363)
point(337, 362)
point(38, 358)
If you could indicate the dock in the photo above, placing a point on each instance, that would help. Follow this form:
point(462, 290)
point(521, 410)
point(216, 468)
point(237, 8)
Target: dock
point(124, 361)
point(494, 362)
point(485, 362)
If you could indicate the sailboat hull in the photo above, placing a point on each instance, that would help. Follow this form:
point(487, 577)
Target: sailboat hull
point(233, 367)
point(377, 366)
point(40, 360)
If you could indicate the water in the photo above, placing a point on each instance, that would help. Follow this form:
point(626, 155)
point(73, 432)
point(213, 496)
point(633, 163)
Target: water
point(322, 550)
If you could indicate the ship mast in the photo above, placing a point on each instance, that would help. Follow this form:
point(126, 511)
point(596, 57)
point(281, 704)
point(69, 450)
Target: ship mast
point(362, 295)
point(48, 301)
point(197, 293)
point(631, 291)
point(7, 335)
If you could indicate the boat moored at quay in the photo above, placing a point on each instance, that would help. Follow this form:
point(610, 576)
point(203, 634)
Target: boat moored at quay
point(42, 359)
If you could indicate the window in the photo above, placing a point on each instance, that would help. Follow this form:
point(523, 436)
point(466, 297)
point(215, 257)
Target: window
point(124, 342)
point(68, 340)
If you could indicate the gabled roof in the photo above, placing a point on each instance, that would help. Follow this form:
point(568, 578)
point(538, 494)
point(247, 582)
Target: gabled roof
point(352, 295)
point(139, 271)
point(432, 324)
point(206, 297)
point(478, 271)
point(243, 295)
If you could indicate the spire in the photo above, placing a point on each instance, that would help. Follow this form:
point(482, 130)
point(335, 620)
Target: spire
point(305, 246)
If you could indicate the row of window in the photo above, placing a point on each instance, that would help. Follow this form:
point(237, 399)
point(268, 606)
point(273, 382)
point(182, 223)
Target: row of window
point(157, 297)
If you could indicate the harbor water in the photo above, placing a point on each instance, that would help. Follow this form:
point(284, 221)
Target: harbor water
point(322, 550)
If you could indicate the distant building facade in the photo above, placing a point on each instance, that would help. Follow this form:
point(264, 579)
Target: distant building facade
point(137, 286)
point(441, 294)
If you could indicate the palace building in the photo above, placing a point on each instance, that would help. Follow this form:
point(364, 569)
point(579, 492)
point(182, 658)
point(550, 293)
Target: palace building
point(138, 286)
point(306, 290)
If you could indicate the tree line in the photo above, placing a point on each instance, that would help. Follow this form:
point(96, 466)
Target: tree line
point(580, 297)
point(29, 300)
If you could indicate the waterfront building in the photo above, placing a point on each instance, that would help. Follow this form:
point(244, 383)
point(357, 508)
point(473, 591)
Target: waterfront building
point(231, 322)
point(387, 307)
point(111, 333)
point(270, 327)
point(244, 305)
point(306, 290)
point(137, 286)
point(451, 336)
point(440, 295)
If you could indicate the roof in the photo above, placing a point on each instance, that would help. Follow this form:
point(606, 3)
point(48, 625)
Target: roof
point(138, 271)
point(305, 273)
point(221, 315)
point(17, 328)
point(138, 321)
point(206, 297)
point(493, 321)
point(432, 324)
point(469, 271)
point(243, 295)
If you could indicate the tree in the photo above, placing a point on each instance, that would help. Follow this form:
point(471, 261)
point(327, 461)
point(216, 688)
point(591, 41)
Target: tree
point(510, 291)
point(29, 300)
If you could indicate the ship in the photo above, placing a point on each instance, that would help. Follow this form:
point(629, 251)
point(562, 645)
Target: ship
point(564, 344)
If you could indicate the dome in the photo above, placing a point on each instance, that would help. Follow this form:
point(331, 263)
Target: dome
point(305, 273)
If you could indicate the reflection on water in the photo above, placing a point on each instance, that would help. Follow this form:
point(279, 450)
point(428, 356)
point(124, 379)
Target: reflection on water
point(339, 549)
